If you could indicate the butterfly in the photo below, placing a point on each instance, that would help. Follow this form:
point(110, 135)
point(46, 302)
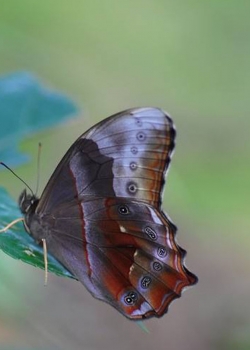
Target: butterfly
point(101, 214)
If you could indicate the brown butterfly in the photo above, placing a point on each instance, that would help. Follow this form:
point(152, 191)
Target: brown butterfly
point(101, 215)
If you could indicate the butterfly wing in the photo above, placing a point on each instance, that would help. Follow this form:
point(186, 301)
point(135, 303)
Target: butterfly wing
point(125, 155)
point(127, 257)
point(102, 208)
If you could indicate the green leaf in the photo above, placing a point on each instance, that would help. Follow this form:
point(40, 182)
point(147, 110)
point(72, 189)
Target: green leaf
point(17, 243)
point(27, 107)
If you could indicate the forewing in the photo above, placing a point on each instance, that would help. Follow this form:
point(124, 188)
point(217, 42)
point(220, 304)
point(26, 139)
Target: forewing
point(125, 155)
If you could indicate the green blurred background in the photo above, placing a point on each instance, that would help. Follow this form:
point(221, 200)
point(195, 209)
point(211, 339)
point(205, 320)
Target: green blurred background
point(190, 58)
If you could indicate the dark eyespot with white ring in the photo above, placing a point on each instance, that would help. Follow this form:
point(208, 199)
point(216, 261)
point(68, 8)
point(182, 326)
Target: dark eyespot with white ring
point(157, 266)
point(150, 233)
point(162, 252)
point(123, 209)
point(141, 136)
point(138, 121)
point(133, 166)
point(132, 187)
point(134, 150)
point(131, 298)
point(146, 281)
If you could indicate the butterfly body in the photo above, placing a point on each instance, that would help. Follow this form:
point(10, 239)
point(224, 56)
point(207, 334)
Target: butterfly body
point(101, 215)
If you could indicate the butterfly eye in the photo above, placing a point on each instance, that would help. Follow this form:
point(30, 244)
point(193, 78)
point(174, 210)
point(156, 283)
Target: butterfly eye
point(123, 210)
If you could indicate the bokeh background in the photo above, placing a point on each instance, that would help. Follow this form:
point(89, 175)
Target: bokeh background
point(190, 58)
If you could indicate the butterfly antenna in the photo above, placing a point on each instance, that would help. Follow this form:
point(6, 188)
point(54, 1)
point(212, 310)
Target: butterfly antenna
point(38, 167)
point(25, 183)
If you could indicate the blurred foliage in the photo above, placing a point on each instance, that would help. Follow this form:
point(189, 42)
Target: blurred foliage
point(27, 107)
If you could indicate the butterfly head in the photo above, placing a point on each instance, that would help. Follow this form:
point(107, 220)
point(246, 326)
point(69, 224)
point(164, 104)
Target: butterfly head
point(26, 202)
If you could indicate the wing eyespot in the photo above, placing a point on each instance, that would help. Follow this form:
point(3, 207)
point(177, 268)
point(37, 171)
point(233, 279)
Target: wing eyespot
point(133, 166)
point(150, 233)
point(157, 266)
point(145, 282)
point(134, 150)
point(141, 136)
point(162, 252)
point(132, 188)
point(123, 210)
point(138, 122)
point(131, 298)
